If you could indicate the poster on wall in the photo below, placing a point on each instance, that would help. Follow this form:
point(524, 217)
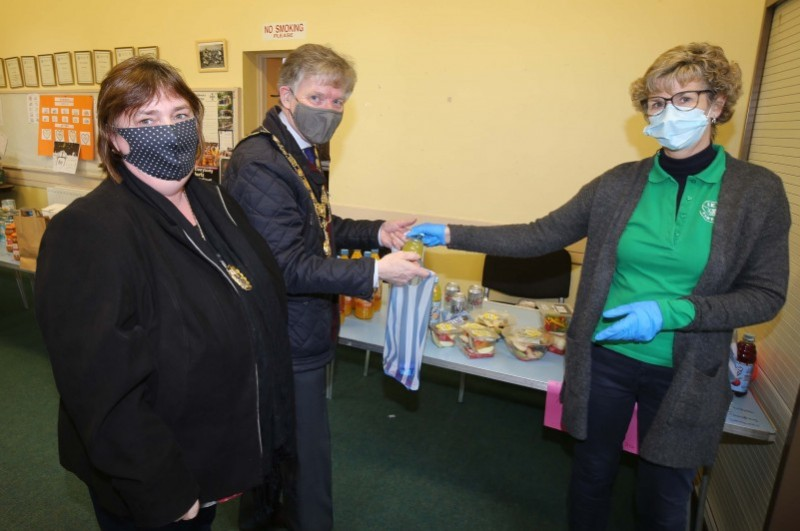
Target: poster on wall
point(66, 118)
point(220, 126)
point(65, 157)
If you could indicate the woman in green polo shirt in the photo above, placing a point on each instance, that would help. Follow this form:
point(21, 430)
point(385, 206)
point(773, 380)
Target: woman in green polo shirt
point(681, 249)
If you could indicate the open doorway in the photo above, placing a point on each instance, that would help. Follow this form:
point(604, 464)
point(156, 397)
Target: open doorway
point(260, 93)
point(260, 85)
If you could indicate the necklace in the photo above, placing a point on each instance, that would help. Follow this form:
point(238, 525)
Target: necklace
point(322, 206)
point(234, 272)
point(194, 218)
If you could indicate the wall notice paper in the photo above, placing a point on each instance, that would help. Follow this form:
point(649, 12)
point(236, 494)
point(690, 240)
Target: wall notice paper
point(553, 410)
point(218, 128)
point(281, 31)
point(33, 108)
point(66, 119)
point(65, 157)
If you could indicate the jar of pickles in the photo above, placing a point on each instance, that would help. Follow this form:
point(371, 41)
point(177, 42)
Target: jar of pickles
point(414, 245)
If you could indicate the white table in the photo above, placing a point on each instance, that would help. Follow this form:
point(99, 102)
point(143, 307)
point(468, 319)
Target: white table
point(745, 417)
point(7, 261)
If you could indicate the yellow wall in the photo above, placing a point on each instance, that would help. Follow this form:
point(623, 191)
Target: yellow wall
point(484, 111)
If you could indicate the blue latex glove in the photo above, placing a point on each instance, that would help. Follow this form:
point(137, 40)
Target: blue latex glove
point(432, 234)
point(641, 322)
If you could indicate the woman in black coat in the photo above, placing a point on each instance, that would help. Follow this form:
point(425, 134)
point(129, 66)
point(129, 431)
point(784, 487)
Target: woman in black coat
point(164, 314)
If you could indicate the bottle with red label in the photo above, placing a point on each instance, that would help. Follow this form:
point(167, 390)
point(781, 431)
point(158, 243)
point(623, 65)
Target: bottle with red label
point(742, 364)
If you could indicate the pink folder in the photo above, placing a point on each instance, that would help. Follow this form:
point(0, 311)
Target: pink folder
point(552, 417)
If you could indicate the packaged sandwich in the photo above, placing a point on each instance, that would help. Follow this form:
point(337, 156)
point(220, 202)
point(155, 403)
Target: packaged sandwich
point(556, 342)
point(526, 343)
point(477, 341)
point(444, 334)
point(494, 319)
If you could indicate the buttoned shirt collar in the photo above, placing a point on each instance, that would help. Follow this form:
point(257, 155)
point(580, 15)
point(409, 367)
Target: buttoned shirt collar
point(302, 142)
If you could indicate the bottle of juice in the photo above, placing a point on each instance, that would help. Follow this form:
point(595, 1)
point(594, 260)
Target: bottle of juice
point(436, 303)
point(362, 308)
point(345, 301)
point(377, 296)
point(743, 363)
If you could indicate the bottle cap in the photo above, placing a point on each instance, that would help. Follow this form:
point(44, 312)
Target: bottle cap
point(749, 338)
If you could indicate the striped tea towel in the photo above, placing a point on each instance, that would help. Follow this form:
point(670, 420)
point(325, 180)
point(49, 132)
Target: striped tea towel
point(406, 329)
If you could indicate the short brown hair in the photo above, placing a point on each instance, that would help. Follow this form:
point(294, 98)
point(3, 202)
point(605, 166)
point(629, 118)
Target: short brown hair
point(128, 87)
point(315, 60)
point(697, 61)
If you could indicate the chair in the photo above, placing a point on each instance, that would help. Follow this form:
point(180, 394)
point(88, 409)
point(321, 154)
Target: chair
point(541, 277)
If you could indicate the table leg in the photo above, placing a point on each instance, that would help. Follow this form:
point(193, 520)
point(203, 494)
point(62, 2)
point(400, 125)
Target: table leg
point(366, 363)
point(461, 388)
point(21, 286)
point(705, 476)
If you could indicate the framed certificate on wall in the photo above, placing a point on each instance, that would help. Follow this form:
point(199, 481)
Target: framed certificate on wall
point(102, 64)
point(47, 70)
point(29, 72)
point(149, 50)
point(121, 54)
point(64, 74)
point(14, 71)
point(2, 75)
point(84, 72)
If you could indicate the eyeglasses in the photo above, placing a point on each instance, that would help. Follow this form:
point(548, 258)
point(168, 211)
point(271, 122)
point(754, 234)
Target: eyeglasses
point(682, 101)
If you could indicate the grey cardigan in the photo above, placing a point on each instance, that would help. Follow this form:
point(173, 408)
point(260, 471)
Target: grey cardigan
point(744, 282)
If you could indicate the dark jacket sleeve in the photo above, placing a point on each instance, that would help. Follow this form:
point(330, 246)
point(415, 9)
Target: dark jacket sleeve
point(93, 311)
point(356, 234)
point(561, 227)
point(282, 213)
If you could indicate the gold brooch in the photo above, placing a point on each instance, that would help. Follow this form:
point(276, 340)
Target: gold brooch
point(239, 277)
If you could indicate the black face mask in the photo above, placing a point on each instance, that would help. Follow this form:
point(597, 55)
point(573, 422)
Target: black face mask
point(164, 151)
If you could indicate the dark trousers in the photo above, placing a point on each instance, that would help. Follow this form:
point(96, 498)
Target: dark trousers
point(662, 493)
point(111, 522)
point(308, 501)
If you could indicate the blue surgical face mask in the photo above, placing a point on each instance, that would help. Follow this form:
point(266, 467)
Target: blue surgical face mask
point(164, 151)
point(675, 129)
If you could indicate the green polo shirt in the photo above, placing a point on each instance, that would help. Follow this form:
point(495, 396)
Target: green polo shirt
point(661, 255)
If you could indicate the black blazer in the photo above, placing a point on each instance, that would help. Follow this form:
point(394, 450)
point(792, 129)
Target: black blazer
point(152, 352)
point(278, 205)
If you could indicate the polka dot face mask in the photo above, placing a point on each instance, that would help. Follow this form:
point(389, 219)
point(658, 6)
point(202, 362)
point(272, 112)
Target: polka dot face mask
point(164, 151)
